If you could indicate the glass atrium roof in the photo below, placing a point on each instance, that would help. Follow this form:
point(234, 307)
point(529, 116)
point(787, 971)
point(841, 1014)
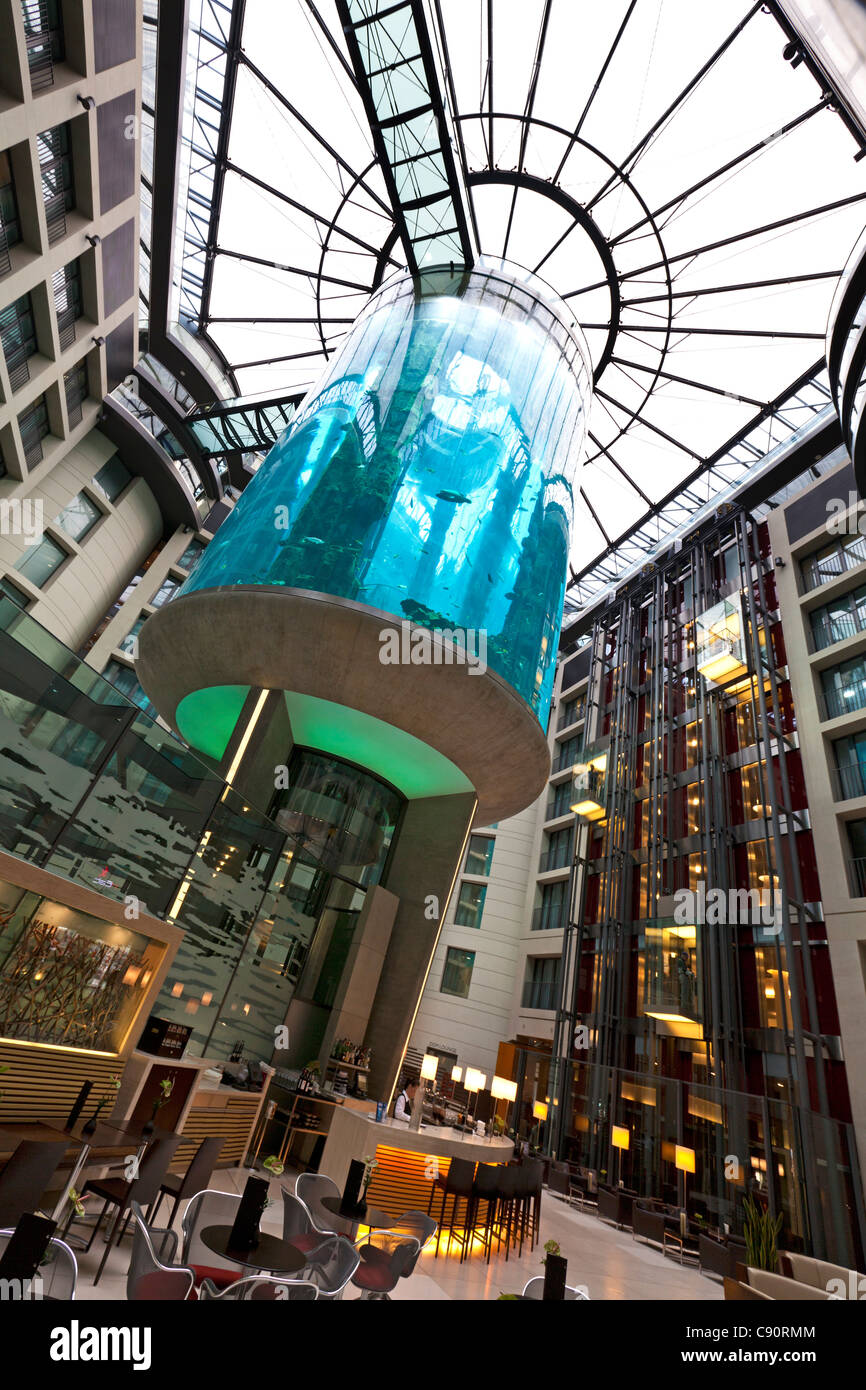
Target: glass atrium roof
point(677, 172)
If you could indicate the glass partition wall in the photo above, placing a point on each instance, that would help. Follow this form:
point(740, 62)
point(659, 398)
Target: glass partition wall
point(94, 790)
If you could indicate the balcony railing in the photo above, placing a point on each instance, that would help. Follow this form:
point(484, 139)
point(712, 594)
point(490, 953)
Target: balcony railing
point(17, 362)
point(563, 760)
point(41, 42)
point(845, 698)
point(816, 572)
point(849, 780)
point(559, 805)
point(828, 630)
point(557, 858)
point(55, 217)
point(857, 877)
point(537, 995)
point(5, 258)
point(570, 714)
point(547, 917)
point(66, 321)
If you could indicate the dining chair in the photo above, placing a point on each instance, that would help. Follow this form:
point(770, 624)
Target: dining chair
point(416, 1223)
point(331, 1266)
point(195, 1179)
point(152, 1275)
point(209, 1208)
point(386, 1257)
point(298, 1227)
point(118, 1193)
point(261, 1287)
point(534, 1288)
point(26, 1175)
point(57, 1274)
point(311, 1188)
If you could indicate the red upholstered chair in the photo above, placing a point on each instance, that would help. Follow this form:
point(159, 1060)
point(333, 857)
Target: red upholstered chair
point(209, 1208)
point(386, 1257)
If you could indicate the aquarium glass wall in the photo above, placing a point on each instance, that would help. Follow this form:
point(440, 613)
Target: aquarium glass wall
point(430, 474)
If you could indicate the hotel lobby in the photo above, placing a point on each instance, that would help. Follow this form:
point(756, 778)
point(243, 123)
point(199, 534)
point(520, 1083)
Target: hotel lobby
point(432, 683)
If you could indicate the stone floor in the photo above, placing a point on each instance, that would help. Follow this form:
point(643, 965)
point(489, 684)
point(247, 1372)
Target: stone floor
point(608, 1263)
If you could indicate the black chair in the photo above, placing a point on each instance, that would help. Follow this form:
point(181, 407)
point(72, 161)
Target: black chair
point(26, 1176)
point(119, 1193)
point(195, 1179)
point(456, 1184)
point(486, 1189)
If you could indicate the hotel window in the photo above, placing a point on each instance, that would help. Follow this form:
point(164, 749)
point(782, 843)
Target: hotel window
point(18, 335)
point(549, 915)
point(34, 426)
point(79, 516)
point(568, 754)
point(128, 644)
point(479, 855)
point(40, 561)
point(66, 288)
point(470, 904)
point(112, 478)
point(191, 556)
point(123, 679)
point(58, 187)
point(75, 388)
point(559, 849)
point(44, 39)
point(560, 803)
point(10, 220)
point(844, 687)
point(166, 591)
point(457, 975)
point(541, 983)
point(11, 591)
point(832, 560)
point(850, 767)
point(835, 621)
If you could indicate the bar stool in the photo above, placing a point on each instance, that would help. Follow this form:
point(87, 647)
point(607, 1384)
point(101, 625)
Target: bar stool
point(509, 1202)
point(457, 1183)
point(486, 1188)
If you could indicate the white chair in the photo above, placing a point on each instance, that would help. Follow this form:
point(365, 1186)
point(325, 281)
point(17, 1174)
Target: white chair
point(260, 1287)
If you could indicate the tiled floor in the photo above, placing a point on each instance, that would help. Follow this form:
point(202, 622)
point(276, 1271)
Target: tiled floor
point(609, 1263)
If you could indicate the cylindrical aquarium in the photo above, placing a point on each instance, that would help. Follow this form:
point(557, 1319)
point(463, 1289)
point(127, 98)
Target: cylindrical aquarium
point(429, 475)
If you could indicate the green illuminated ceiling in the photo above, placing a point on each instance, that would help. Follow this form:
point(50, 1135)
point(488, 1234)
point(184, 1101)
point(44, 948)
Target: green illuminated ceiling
point(206, 719)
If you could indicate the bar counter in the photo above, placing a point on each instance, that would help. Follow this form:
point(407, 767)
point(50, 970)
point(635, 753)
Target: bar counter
point(409, 1159)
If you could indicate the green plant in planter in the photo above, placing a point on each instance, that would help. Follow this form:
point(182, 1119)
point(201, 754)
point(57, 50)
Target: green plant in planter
point(551, 1247)
point(762, 1233)
point(273, 1165)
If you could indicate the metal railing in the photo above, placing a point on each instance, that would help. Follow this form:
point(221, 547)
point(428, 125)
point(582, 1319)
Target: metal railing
point(816, 572)
point(40, 40)
point(66, 330)
point(557, 858)
point(826, 631)
point(563, 760)
point(857, 877)
point(547, 917)
point(32, 435)
point(849, 780)
point(540, 994)
point(19, 368)
point(55, 217)
point(5, 258)
point(571, 714)
point(846, 697)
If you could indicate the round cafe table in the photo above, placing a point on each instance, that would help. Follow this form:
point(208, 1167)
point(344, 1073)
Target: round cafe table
point(272, 1254)
point(373, 1217)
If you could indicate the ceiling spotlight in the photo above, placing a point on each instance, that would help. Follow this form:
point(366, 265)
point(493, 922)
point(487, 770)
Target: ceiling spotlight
point(87, 102)
point(793, 54)
point(100, 342)
point(93, 239)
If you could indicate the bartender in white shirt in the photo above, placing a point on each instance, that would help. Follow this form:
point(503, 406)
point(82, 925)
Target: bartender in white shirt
point(403, 1106)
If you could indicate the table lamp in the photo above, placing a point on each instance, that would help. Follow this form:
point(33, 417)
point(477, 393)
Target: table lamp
point(684, 1159)
point(620, 1138)
point(475, 1081)
point(503, 1089)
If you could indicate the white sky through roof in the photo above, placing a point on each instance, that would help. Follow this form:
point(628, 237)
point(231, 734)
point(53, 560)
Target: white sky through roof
point(692, 361)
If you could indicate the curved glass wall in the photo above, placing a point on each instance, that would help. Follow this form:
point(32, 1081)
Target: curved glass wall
point(430, 474)
point(337, 816)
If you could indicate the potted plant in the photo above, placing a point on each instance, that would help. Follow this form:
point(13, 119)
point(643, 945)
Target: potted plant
point(166, 1086)
point(554, 1272)
point(761, 1231)
point(273, 1165)
point(90, 1127)
point(370, 1166)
